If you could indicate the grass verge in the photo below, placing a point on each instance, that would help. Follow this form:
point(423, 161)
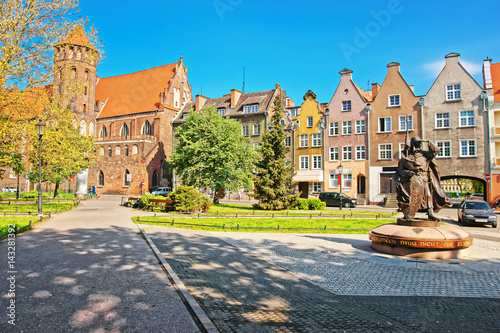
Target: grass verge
point(279, 224)
point(19, 221)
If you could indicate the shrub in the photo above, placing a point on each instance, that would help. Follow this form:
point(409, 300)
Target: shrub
point(316, 204)
point(188, 199)
point(302, 204)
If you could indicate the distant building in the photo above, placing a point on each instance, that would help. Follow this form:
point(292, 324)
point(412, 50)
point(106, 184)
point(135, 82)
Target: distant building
point(253, 110)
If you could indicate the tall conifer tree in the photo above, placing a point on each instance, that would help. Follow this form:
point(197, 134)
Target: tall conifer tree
point(274, 179)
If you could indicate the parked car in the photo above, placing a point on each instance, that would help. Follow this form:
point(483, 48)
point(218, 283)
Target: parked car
point(163, 191)
point(476, 212)
point(11, 189)
point(477, 196)
point(333, 199)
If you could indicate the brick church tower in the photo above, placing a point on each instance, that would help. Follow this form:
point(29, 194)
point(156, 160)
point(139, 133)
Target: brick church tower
point(75, 65)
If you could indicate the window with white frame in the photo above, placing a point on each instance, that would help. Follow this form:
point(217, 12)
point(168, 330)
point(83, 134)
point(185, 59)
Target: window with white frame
point(445, 147)
point(360, 126)
point(360, 152)
point(316, 187)
point(255, 108)
point(246, 108)
point(443, 120)
point(466, 118)
point(256, 145)
point(288, 141)
point(294, 112)
point(316, 139)
point(309, 121)
point(384, 124)
point(304, 162)
point(256, 129)
point(316, 162)
point(403, 122)
point(334, 153)
point(346, 180)
point(453, 92)
point(347, 153)
point(333, 129)
point(346, 106)
point(334, 180)
point(346, 127)
point(221, 111)
point(385, 151)
point(401, 149)
point(467, 148)
point(244, 130)
point(303, 140)
point(394, 100)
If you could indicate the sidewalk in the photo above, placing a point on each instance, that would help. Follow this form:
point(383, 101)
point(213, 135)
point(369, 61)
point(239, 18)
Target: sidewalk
point(89, 270)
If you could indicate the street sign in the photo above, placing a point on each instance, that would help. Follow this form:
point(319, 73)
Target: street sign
point(487, 176)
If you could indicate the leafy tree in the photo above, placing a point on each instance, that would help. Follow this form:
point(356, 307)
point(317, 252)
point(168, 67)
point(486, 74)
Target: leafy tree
point(212, 153)
point(65, 151)
point(274, 182)
point(28, 32)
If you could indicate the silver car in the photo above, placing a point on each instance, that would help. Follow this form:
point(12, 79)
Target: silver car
point(476, 212)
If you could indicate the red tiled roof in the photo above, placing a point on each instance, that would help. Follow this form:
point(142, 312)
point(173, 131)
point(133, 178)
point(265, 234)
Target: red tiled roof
point(365, 96)
point(495, 78)
point(135, 92)
point(78, 37)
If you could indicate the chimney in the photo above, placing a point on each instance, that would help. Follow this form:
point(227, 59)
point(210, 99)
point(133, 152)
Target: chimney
point(452, 58)
point(393, 66)
point(198, 104)
point(289, 102)
point(235, 96)
point(375, 89)
point(346, 72)
point(487, 74)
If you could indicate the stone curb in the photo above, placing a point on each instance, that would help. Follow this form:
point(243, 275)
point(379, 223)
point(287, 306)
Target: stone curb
point(193, 306)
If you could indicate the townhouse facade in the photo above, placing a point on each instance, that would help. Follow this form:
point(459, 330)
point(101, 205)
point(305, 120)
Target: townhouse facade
point(347, 140)
point(309, 147)
point(454, 118)
point(393, 119)
point(491, 81)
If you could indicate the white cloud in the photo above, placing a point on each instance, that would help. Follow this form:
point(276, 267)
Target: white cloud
point(432, 69)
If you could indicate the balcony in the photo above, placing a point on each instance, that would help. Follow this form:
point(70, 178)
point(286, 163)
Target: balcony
point(127, 138)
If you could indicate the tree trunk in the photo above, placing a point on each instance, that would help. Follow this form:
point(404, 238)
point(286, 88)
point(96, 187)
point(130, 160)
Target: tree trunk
point(56, 190)
point(218, 194)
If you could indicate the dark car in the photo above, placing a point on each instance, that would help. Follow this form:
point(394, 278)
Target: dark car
point(333, 199)
point(476, 212)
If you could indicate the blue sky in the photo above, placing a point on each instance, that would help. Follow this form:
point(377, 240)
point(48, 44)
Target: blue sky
point(301, 45)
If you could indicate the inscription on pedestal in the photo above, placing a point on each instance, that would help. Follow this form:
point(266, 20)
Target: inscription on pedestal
point(424, 244)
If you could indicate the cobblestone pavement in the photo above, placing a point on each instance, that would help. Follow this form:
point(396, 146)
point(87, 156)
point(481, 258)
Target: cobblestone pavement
point(259, 283)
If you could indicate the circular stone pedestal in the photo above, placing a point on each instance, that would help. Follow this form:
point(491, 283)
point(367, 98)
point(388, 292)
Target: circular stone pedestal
point(440, 242)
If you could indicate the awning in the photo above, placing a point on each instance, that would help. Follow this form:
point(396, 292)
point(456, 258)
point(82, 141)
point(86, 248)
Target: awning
point(309, 176)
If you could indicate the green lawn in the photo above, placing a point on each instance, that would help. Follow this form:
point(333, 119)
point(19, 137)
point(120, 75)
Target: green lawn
point(19, 221)
point(33, 208)
point(289, 225)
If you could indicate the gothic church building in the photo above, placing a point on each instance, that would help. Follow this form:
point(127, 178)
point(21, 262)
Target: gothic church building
point(129, 115)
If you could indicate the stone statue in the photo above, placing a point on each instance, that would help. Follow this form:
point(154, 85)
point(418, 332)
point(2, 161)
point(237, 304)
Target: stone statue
point(417, 181)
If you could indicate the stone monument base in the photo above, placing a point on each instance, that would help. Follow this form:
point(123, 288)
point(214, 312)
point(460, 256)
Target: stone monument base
point(426, 239)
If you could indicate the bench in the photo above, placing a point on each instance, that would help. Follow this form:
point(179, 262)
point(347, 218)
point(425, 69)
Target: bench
point(159, 203)
point(130, 201)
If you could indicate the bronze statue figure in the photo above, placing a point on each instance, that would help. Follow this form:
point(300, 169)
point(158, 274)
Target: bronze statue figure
point(417, 181)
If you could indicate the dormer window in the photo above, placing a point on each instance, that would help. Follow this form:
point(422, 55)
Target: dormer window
point(251, 108)
point(346, 106)
point(394, 100)
point(453, 92)
point(221, 111)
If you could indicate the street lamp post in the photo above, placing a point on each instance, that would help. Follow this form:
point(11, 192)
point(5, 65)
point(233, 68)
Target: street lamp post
point(340, 182)
point(40, 127)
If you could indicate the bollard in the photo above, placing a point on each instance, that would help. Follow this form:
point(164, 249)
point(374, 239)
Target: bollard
point(198, 214)
point(236, 215)
point(278, 227)
point(343, 216)
point(172, 222)
point(273, 215)
point(155, 214)
point(15, 230)
point(310, 216)
point(224, 226)
point(325, 227)
point(286, 213)
point(238, 226)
